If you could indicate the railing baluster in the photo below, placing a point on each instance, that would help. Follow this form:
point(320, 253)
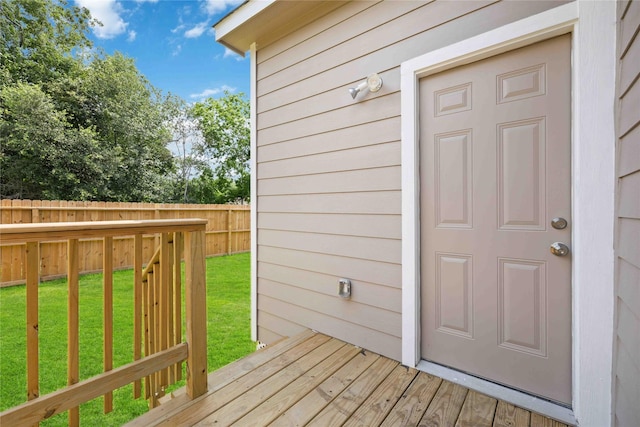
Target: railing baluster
point(137, 306)
point(149, 342)
point(177, 291)
point(164, 301)
point(171, 301)
point(155, 388)
point(107, 254)
point(33, 277)
point(73, 349)
point(196, 312)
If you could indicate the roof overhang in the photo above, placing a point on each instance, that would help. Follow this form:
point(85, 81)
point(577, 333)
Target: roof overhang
point(265, 21)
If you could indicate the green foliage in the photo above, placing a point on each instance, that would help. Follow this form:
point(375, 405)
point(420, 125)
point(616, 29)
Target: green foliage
point(224, 123)
point(76, 124)
point(228, 335)
point(43, 156)
point(39, 36)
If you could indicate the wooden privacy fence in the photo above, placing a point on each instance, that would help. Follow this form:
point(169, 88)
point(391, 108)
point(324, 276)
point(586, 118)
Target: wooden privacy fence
point(157, 312)
point(227, 232)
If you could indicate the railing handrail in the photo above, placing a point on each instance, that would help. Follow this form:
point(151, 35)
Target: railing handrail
point(50, 231)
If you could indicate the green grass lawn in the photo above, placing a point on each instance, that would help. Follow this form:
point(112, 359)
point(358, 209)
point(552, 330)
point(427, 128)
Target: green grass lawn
point(228, 331)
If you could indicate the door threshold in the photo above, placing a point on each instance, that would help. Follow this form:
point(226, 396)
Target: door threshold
point(515, 397)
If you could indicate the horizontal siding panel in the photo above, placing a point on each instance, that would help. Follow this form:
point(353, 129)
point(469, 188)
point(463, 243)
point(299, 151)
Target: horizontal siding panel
point(392, 56)
point(629, 66)
point(629, 115)
point(388, 32)
point(368, 316)
point(628, 336)
point(383, 297)
point(381, 131)
point(357, 24)
point(267, 336)
point(375, 341)
point(381, 273)
point(629, 153)
point(383, 226)
point(381, 179)
point(626, 411)
point(629, 286)
point(382, 202)
point(383, 250)
point(326, 23)
point(629, 25)
point(628, 373)
point(374, 156)
point(629, 196)
point(270, 324)
point(325, 101)
point(368, 111)
point(629, 240)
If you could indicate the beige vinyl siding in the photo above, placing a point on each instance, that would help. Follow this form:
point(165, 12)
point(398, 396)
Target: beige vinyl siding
point(328, 167)
point(627, 338)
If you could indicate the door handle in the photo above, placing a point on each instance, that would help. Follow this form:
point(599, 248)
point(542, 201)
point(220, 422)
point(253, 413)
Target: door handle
point(559, 249)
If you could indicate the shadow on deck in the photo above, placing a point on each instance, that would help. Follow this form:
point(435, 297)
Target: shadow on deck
point(315, 380)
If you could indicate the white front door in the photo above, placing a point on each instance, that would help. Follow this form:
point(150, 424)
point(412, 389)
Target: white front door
point(495, 178)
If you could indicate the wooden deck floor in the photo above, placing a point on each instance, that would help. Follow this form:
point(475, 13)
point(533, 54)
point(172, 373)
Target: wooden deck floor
point(316, 380)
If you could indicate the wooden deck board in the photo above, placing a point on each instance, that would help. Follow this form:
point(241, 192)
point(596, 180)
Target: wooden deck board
point(411, 407)
point(314, 402)
point(508, 415)
point(376, 408)
point(478, 410)
point(315, 380)
point(341, 408)
point(445, 406)
point(258, 394)
point(287, 397)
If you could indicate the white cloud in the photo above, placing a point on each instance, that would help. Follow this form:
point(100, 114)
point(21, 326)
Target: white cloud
point(196, 31)
point(107, 12)
point(215, 6)
point(176, 50)
point(229, 53)
point(178, 28)
point(132, 36)
point(211, 92)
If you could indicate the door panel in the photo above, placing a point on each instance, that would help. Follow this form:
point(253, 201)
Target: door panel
point(495, 156)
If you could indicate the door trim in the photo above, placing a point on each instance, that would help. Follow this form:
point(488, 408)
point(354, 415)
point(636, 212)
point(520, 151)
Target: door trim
point(593, 185)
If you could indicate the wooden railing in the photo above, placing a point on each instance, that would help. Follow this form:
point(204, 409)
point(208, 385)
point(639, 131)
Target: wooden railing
point(157, 313)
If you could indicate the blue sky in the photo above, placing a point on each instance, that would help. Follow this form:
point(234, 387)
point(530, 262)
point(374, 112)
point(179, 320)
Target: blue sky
point(173, 44)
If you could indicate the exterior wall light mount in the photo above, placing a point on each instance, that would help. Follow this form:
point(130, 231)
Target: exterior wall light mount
point(373, 82)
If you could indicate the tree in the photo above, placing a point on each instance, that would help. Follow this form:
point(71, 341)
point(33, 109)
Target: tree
point(75, 125)
point(187, 148)
point(224, 123)
point(129, 116)
point(39, 38)
point(41, 155)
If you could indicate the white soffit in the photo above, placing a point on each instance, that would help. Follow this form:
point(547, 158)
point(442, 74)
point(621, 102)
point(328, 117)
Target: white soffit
point(264, 21)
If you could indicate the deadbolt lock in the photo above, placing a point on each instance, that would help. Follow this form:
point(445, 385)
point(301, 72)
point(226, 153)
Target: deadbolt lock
point(559, 223)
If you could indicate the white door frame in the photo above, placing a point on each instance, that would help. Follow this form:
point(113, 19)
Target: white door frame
point(593, 28)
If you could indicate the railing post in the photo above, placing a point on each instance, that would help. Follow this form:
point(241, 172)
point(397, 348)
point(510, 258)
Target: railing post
point(107, 278)
point(73, 330)
point(196, 313)
point(33, 278)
